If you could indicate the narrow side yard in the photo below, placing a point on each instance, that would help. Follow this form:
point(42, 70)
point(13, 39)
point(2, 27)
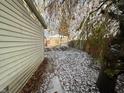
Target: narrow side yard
point(67, 70)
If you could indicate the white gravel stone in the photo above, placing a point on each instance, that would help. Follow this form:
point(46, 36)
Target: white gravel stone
point(76, 72)
point(72, 68)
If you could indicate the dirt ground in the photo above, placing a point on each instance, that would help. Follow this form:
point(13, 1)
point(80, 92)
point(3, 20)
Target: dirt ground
point(34, 84)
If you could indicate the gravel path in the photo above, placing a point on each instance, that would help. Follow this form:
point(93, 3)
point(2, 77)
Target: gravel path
point(67, 71)
point(73, 68)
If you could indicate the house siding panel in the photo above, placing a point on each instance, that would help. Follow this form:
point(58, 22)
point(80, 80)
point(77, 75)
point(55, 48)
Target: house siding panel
point(21, 45)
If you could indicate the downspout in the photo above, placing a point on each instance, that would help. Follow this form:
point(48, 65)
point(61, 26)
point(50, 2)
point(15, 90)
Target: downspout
point(37, 14)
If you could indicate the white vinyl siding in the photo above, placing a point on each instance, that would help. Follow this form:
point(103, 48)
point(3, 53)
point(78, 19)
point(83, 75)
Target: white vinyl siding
point(21, 45)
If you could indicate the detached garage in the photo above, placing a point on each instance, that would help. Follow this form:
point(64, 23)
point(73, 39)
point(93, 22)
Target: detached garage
point(21, 43)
